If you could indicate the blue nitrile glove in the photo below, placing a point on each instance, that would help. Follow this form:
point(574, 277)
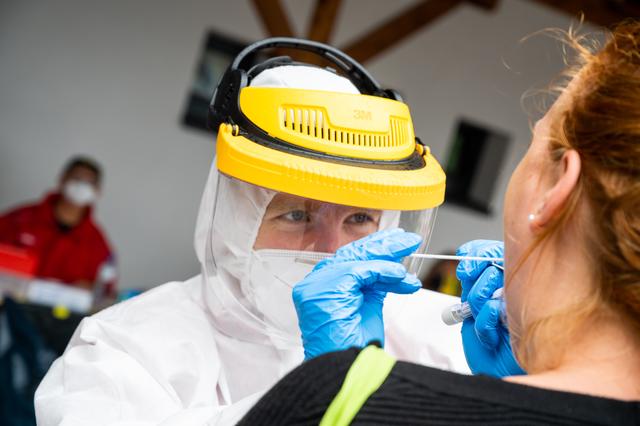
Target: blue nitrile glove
point(339, 304)
point(485, 338)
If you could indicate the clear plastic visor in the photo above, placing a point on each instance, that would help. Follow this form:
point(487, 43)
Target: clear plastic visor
point(305, 228)
point(261, 243)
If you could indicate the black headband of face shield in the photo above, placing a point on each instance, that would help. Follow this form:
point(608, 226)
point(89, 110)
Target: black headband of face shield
point(224, 102)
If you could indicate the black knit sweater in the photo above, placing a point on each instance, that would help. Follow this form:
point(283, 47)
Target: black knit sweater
point(418, 395)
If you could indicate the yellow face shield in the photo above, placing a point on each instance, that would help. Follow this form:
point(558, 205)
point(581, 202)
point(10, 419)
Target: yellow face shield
point(351, 149)
point(340, 148)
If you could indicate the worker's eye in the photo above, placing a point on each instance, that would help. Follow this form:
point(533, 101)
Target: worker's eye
point(360, 218)
point(296, 216)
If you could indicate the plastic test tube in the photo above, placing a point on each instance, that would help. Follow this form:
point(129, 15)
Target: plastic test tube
point(457, 313)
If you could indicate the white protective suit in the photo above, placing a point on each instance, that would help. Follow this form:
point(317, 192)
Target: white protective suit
point(199, 352)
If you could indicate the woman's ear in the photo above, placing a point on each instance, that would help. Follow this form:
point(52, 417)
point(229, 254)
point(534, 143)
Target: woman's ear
point(558, 195)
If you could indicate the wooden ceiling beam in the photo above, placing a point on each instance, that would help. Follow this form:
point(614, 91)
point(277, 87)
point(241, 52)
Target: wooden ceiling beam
point(323, 21)
point(599, 12)
point(399, 27)
point(485, 4)
point(273, 17)
point(320, 28)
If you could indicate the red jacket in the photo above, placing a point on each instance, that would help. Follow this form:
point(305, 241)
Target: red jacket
point(78, 254)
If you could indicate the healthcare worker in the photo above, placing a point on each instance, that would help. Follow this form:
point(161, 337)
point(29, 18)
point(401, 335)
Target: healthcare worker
point(307, 161)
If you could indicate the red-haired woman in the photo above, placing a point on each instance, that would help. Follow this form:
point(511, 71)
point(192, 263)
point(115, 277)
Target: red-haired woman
point(572, 293)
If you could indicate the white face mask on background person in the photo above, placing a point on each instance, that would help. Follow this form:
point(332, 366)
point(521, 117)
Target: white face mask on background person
point(79, 192)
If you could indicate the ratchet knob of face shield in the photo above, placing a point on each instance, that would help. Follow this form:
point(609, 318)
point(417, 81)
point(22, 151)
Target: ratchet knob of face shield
point(422, 149)
point(229, 128)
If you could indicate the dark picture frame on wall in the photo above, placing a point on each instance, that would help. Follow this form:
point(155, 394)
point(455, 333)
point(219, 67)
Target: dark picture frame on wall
point(216, 54)
point(476, 158)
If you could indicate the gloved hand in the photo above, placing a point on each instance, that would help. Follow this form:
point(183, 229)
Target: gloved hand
point(486, 342)
point(339, 304)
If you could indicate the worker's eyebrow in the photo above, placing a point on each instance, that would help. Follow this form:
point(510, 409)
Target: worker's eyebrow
point(285, 201)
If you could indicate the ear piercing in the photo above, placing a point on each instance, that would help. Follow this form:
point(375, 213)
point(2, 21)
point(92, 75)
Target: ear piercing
point(532, 217)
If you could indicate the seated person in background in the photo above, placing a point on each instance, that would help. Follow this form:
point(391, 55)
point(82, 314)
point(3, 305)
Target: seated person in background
point(571, 299)
point(60, 232)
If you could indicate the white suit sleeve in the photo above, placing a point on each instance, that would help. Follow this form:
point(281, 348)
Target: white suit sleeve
point(109, 376)
point(414, 331)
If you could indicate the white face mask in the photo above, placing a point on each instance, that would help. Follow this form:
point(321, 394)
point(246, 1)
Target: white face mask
point(271, 281)
point(79, 192)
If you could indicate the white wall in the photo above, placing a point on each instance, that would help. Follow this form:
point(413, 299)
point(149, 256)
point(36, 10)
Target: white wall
point(109, 79)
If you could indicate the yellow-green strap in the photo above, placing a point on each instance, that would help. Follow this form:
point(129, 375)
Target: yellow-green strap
point(367, 373)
